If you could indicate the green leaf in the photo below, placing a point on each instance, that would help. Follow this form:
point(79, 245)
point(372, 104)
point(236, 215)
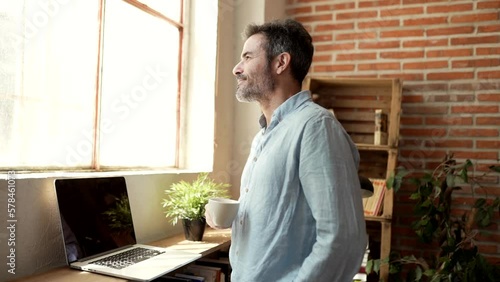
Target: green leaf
point(393, 269)
point(440, 208)
point(424, 221)
point(427, 203)
point(418, 273)
point(495, 168)
point(429, 272)
point(496, 202)
point(464, 176)
point(427, 178)
point(376, 266)
point(415, 196)
point(369, 266)
point(411, 257)
point(480, 203)
point(390, 181)
point(485, 220)
point(395, 181)
point(419, 232)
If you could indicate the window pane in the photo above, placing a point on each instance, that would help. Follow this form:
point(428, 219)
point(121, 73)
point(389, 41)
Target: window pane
point(48, 92)
point(10, 61)
point(139, 88)
point(169, 8)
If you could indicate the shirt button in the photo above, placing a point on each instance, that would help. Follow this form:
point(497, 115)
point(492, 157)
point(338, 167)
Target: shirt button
point(246, 190)
point(255, 159)
point(241, 221)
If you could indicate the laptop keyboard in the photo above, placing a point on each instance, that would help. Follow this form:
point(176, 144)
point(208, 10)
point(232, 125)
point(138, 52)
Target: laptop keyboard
point(127, 258)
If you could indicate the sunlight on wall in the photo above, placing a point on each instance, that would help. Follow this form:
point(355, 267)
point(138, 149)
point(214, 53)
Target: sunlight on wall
point(198, 129)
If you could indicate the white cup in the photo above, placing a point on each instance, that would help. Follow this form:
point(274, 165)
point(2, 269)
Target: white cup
point(223, 211)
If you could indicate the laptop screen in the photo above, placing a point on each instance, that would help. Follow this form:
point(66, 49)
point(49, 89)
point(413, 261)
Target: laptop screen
point(95, 215)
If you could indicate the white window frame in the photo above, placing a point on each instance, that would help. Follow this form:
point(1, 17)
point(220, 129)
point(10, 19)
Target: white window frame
point(196, 129)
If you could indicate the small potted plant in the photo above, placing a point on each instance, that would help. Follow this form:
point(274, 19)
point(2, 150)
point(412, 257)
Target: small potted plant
point(186, 201)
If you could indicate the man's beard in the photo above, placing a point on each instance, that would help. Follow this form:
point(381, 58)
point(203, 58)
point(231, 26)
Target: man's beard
point(258, 90)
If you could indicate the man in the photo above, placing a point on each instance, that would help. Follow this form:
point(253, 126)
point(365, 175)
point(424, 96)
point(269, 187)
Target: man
point(301, 215)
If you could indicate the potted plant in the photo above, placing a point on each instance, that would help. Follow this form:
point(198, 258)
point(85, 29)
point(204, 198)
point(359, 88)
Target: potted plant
point(186, 202)
point(457, 257)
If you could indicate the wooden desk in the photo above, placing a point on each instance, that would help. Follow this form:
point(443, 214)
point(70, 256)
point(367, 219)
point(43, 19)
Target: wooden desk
point(213, 240)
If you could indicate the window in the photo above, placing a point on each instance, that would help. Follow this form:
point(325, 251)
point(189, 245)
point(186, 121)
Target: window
point(91, 85)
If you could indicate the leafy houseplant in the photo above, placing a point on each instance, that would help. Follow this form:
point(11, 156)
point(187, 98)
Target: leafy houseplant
point(457, 257)
point(186, 201)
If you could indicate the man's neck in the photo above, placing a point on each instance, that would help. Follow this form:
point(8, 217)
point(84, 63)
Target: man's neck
point(275, 99)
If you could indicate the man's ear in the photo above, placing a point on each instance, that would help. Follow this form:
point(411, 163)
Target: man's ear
point(282, 62)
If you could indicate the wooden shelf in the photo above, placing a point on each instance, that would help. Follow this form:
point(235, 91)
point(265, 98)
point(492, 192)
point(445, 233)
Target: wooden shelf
point(371, 147)
point(354, 102)
point(379, 218)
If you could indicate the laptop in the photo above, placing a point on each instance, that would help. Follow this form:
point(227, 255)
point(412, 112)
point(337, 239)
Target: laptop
point(98, 232)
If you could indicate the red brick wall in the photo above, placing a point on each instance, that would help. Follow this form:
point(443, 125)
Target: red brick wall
point(448, 55)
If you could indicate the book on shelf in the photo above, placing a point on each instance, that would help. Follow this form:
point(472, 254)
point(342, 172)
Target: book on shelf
point(373, 205)
point(169, 278)
point(360, 277)
point(211, 274)
point(221, 262)
point(192, 278)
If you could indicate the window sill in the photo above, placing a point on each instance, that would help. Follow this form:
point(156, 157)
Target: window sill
point(13, 174)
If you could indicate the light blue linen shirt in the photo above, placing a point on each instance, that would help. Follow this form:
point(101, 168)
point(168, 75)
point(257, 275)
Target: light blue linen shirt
point(301, 213)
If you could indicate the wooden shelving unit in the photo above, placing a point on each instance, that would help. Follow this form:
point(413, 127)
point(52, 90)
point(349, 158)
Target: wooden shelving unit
point(354, 102)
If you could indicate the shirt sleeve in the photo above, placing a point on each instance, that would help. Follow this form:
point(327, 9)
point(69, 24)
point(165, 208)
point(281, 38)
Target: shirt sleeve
point(329, 179)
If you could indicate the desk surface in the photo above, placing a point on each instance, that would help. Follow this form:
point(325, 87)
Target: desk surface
point(213, 240)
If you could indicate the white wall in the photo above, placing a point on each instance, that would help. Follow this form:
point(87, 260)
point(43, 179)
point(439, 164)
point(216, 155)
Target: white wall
point(37, 235)
point(201, 37)
point(246, 115)
point(38, 240)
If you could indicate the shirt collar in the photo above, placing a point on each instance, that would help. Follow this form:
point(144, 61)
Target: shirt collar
point(287, 107)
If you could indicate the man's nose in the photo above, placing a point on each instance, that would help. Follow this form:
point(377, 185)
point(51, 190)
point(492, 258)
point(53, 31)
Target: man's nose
point(237, 69)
